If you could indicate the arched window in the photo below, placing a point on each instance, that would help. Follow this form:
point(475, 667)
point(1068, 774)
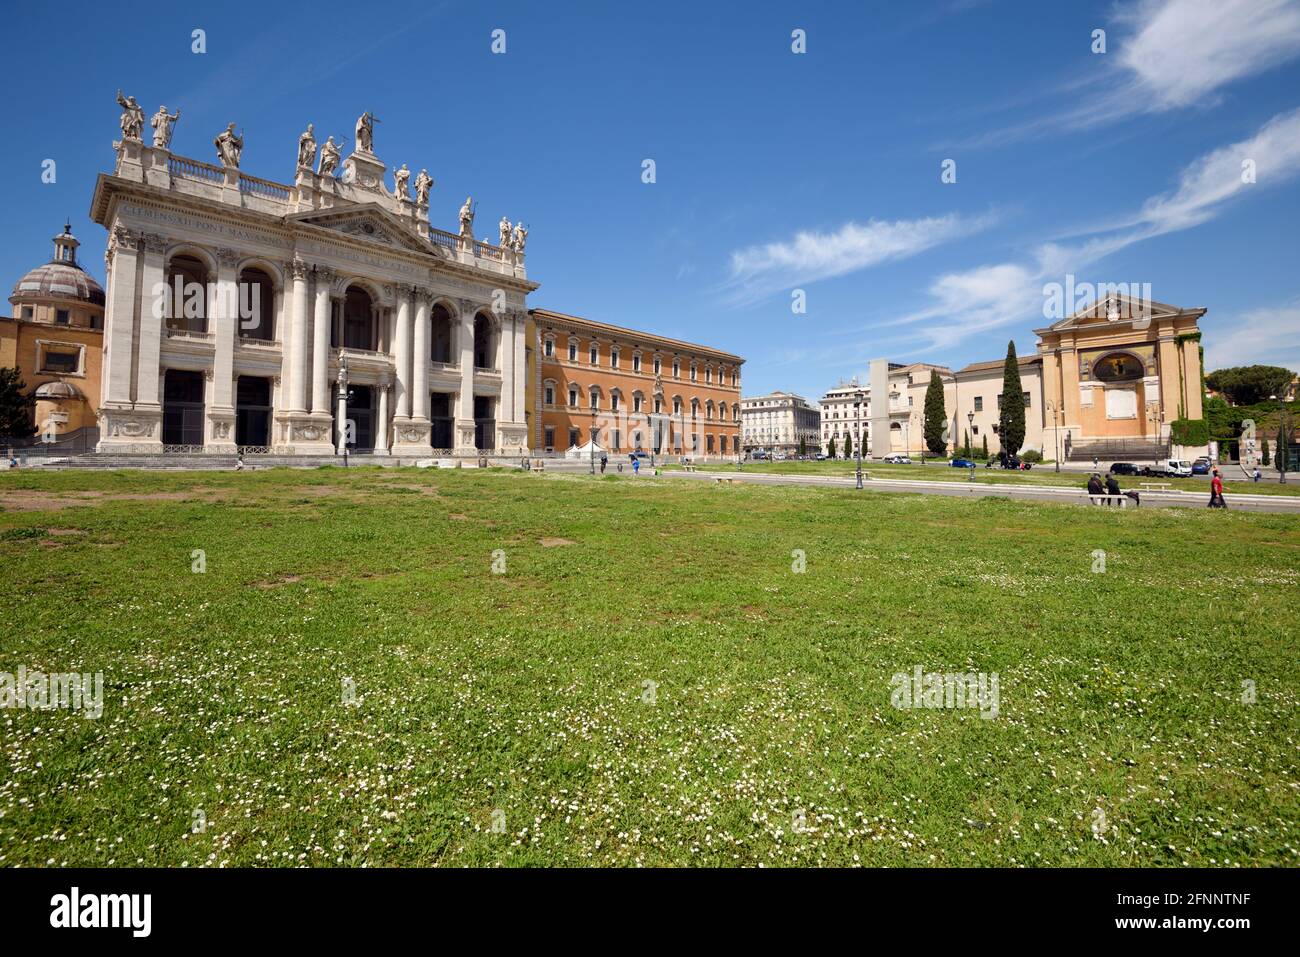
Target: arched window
point(440, 334)
point(484, 357)
point(359, 326)
point(256, 308)
point(187, 283)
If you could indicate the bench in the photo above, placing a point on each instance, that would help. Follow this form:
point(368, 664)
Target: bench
point(689, 468)
point(1121, 500)
point(1155, 486)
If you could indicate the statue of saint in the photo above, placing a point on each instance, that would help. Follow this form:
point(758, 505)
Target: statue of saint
point(307, 149)
point(423, 183)
point(467, 217)
point(329, 157)
point(400, 179)
point(132, 117)
point(230, 146)
point(503, 232)
point(162, 127)
point(366, 132)
point(520, 237)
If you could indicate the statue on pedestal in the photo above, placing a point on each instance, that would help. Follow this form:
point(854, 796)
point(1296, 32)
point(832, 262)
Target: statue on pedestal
point(520, 237)
point(467, 217)
point(230, 146)
point(307, 149)
point(329, 157)
point(162, 127)
point(503, 229)
point(132, 117)
point(423, 183)
point(400, 179)
point(366, 132)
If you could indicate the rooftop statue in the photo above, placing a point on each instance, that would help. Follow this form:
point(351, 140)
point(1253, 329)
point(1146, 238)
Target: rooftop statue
point(423, 183)
point(132, 117)
point(162, 128)
point(307, 149)
point(230, 146)
point(329, 157)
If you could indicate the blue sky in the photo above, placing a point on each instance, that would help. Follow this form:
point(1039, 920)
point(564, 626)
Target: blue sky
point(774, 170)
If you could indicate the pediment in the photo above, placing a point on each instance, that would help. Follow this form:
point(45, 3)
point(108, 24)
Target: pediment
point(1116, 307)
point(370, 223)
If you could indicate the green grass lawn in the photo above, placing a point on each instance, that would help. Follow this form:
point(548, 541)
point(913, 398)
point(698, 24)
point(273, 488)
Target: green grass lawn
point(1121, 736)
point(1038, 475)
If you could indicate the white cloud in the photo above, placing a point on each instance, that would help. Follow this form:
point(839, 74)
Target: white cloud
point(1185, 50)
point(810, 256)
point(1268, 336)
point(966, 303)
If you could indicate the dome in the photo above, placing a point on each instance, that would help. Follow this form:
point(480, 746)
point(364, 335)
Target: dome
point(61, 277)
point(58, 390)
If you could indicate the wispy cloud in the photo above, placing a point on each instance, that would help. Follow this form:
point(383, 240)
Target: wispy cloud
point(966, 303)
point(1269, 335)
point(1167, 55)
point(757, 271)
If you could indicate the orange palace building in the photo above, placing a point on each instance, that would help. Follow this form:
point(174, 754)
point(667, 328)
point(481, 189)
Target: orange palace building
point(630, 391)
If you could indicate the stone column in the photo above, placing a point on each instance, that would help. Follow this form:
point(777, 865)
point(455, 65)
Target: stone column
point(298, 339)
point(223, 321)
point(153, 280)
point(1192, 405)
point(119, 317)
point(464, 437)
point(1169, 368)
point(420, 357)
point(402, 353)
point(381, 418)
point(322, 319)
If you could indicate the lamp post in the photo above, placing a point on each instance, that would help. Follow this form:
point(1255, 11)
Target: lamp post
point(591, 441)
point(857, 408)
point(1281, 455)
point(970, 427)
point(343, 392)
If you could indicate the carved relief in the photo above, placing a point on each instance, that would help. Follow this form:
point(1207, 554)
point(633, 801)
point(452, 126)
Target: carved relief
point(307, 432)
point(299, 268)
point(153, 242)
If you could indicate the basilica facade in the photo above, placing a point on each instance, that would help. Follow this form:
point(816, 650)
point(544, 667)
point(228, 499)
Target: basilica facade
point(306, 317)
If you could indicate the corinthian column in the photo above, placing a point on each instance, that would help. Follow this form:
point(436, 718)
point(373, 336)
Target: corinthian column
point(420, 357)
point(465, 400)
point(402, 353)
point(298, 339)
point(320, 347)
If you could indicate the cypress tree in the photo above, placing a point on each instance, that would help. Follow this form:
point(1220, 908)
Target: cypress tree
point(1013, 404)
point(848, 445)
point(830, 450)
point(986, 445)
point(936, 417)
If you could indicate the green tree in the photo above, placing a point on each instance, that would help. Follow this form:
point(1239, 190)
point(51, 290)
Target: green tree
point(848, 445)
point(965, 445)
point(830, 450)
point(1013, 404)
point(1283, 454)
point(1264, 452)
point(986, 445)
point(936, 416)
point(1246, 385)
point(15, 409)
point(803, 445)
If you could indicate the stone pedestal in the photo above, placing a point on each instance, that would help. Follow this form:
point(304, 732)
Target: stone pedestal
point(130, 164)
point(365, 171)
point(129, 429)
point(220, 438)
point(465, 437)
point(411, 436)
point(512, 437)
point(301, 433)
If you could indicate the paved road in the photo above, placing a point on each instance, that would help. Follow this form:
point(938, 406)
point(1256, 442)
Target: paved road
point(1038, 493)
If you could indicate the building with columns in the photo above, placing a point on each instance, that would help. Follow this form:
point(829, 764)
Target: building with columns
point(254, 315)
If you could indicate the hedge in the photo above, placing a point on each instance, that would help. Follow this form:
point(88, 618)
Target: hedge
point(1189, 431)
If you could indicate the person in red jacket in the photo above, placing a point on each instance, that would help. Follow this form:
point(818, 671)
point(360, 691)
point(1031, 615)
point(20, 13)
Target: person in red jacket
point(1216, 492)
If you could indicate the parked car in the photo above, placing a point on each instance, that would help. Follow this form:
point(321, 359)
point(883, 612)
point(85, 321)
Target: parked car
point(1202, 466)
point(962, 464)
point(1015, 462)
point(1125, 468)
point(897, 458)
point(758, 455)
point(820, 457)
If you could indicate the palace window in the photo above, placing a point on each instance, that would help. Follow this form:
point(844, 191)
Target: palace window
point(550, 395)
point(979, 403)
point(549, 439)
point(659, 365)
point(61, 316)
point(613, 401)
point(693, 372)
point(637, 399)
point(593, 354)
point(677, 369)
point(573, 396)
point(60, 360)
point(613, 357)
point(573, 350)
point(595, 399)
point(636, 362)
point(573, 437)
point(548, 347)
point(708, 373)
point(659, 405)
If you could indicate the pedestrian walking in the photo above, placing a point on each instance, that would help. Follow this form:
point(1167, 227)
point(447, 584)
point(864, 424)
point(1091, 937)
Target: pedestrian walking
point(1216, 491)
point(604, 460)
point(636, 465)
point(1258, 475)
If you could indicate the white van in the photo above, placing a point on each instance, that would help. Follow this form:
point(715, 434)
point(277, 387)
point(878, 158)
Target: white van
point(1177, 468)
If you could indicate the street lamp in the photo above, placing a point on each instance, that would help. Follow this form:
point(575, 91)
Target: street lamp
point(344, 393)
point(857, 407)
point(591, 441)
point(970, 422)
point(1056, 430)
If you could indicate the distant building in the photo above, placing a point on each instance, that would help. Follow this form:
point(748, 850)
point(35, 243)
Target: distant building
point(56, 340)
point(779, 422)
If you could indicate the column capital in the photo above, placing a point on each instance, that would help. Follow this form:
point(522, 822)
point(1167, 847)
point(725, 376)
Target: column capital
point(153, 242)
point(325, 274)
point(227, 256)
point(122, 236)
point(468, 306)
point(298, 268)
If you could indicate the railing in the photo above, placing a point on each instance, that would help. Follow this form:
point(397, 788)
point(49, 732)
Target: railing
point(254, 449)
point(485, 250)
point(178, 332)
point(183, 449)
point(263, 187)
point(193, 169)
point(444, 366)
point(442, 238)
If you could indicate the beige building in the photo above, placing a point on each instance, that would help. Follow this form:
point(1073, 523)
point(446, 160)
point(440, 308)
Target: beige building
point(779, 422)
point(306, 316)
point(55, 340)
